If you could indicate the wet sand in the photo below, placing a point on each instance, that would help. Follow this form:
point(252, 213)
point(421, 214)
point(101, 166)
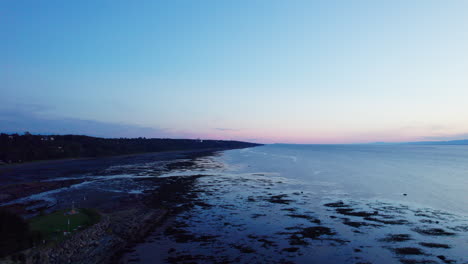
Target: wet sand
point(50, 185)
point(214, 214)
point(130, 196)
point(53, 169)
point(264, 218)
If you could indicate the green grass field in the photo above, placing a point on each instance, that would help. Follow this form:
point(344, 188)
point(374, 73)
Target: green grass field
point(53, 226)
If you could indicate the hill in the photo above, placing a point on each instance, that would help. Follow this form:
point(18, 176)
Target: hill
point(16, 148)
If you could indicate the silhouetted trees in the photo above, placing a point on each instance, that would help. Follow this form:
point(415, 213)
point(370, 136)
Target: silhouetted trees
point(15, 148)
point(15, 234)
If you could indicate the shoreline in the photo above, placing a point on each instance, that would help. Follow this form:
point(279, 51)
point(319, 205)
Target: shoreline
point(204, 214)
point(127, 220)
point(47, 161)
point(250, 215)
point(118, 232)
point(48, 169)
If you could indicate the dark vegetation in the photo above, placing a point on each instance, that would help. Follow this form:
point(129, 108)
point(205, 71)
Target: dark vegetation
point(434, 245)
point(279, 199)
point(16, 148)
point(396, 238)
point(408, 251)
point(434, 232)
point(52, 226)
point(15, 234)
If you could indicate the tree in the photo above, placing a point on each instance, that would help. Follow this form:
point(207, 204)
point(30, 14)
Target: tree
point(14, 234)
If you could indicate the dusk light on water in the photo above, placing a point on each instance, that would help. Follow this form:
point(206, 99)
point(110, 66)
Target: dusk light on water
point(218, 131)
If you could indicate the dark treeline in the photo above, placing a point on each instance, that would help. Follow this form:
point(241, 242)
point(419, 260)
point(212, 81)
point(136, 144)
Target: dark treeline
point(15, 234)
point(16, 148)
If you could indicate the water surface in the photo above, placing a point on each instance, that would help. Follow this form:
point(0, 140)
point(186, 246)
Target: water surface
point(321, 204)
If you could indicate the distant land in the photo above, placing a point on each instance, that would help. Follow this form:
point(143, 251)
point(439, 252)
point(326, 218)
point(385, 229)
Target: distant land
point(15, 148)
point(448, 142)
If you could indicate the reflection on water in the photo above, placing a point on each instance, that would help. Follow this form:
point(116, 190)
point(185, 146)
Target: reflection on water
point(298, 204)
point(256, 209)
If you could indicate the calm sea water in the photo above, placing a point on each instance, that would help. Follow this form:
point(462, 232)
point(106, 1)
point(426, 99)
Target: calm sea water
point(434, 176)
point(322, 204)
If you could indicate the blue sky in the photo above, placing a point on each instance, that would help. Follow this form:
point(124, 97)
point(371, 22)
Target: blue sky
point(265, 71)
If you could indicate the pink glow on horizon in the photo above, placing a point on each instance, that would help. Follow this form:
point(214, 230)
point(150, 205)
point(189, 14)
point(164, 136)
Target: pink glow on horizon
point(299, 138)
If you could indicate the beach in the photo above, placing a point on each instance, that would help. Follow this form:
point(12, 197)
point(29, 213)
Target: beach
point(269, 204)
point(284, 204)
point(130, 205)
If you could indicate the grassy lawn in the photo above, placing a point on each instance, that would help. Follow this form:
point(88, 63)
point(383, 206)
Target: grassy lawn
point(53, 225)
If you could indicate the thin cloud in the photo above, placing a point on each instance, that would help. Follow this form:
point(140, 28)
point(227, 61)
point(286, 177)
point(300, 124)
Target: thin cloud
point(18, 121)
point(225, 129)
point(447, 137)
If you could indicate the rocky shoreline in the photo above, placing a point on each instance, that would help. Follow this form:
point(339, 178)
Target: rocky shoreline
point(107, 240)
point(98, 244)
point(122, 225)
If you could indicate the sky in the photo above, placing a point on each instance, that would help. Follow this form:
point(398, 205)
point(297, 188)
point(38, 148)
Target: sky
point(349, 71)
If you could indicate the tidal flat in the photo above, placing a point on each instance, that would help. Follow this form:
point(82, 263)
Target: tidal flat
point(244, 213)
point(258, 205)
